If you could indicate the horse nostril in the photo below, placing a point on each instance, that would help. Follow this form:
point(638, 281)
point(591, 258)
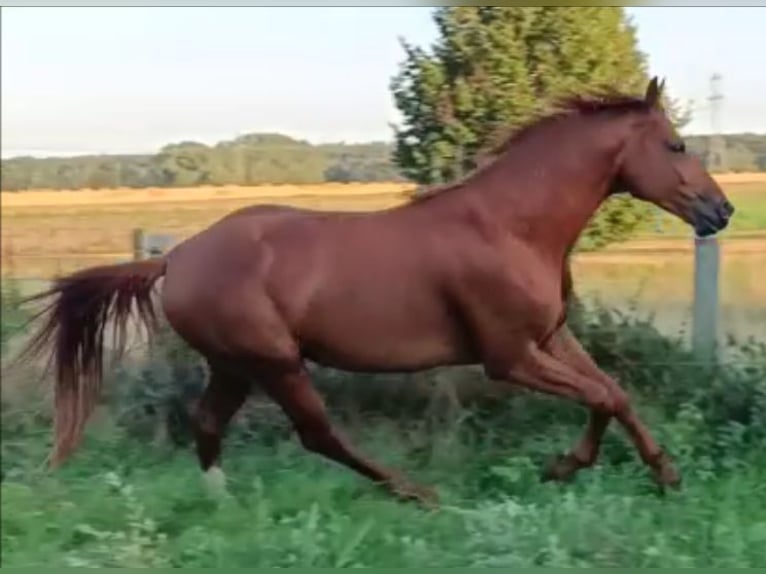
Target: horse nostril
point(725, 209)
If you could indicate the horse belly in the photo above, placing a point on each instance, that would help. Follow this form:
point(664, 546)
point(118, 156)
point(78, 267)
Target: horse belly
point(382, 336)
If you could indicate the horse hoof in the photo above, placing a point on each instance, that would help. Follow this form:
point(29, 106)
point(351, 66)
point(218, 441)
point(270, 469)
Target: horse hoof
point(560, 469)
point(425, 496)
point(666, 475)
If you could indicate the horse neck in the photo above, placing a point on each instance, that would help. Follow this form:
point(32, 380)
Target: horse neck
point(548, 202)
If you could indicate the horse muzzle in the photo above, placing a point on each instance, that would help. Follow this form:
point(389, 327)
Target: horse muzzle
point(710, 215)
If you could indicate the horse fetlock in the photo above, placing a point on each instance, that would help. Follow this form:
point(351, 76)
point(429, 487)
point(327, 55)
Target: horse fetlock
point(584, 457)
point(563, 467)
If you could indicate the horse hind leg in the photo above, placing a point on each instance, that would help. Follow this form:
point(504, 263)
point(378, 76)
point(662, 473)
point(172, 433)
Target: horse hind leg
point(292, 390)
point(264, 346)
point(225, 393)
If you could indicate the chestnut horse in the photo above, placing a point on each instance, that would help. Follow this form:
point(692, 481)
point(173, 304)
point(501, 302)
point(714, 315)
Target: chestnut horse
point(473, 274)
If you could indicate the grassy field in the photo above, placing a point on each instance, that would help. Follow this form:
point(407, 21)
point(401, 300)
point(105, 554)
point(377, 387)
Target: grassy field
point(132, 498)
point(127, 505)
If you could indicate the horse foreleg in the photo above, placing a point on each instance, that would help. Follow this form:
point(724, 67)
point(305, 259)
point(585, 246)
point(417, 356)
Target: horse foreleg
point(540, 370)
point(222, 398)
point(304, 407)
point(564, 466)
point(565, 347)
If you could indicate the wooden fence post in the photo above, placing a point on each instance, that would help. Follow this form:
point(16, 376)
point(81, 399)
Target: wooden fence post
point(705, 316)
point(139, 240)
point(150, 244)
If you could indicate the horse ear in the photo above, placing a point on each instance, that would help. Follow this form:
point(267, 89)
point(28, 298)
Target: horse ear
point(653, 91)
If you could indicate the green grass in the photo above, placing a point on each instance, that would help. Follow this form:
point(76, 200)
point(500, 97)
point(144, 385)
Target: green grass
point(121, 505)
point(750, 202)
point(131, 499)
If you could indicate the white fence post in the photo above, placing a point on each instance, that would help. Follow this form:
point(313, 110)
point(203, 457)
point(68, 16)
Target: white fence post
point(706, 304)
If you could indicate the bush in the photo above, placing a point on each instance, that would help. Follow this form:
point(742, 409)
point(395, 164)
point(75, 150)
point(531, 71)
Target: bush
point(13, 317)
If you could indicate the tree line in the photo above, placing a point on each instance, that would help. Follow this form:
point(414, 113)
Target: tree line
point(269, 159)
point(250, 159)
point(744, 152)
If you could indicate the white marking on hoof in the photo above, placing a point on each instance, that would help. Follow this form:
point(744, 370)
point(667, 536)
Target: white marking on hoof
point(215, 481)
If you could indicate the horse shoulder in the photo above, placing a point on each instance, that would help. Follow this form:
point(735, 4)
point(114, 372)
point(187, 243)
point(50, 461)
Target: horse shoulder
point(507, 287)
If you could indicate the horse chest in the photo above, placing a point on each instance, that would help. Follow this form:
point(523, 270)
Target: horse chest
point(507, 305)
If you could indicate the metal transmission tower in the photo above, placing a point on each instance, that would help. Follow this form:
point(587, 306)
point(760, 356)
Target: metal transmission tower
point(716, 152)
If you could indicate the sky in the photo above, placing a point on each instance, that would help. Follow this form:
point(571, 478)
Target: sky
point(130, 80)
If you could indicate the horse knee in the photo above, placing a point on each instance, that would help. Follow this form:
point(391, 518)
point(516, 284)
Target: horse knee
point(611, 402)
point(601, 401)
point(620, 401)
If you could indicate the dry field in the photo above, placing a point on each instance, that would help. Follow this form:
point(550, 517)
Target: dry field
point(48, 232)
point(261, 194)
point(730, 178)
point(152, 195)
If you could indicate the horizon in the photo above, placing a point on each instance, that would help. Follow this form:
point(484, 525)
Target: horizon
point(296, 139)
point(62, 98)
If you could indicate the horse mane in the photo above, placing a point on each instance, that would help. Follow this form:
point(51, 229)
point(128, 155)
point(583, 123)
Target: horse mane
point(504, 137)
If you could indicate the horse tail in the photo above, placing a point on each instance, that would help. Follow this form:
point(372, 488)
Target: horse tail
point(72, 336)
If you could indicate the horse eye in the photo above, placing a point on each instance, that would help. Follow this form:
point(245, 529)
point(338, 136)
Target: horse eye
point(677, 147)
